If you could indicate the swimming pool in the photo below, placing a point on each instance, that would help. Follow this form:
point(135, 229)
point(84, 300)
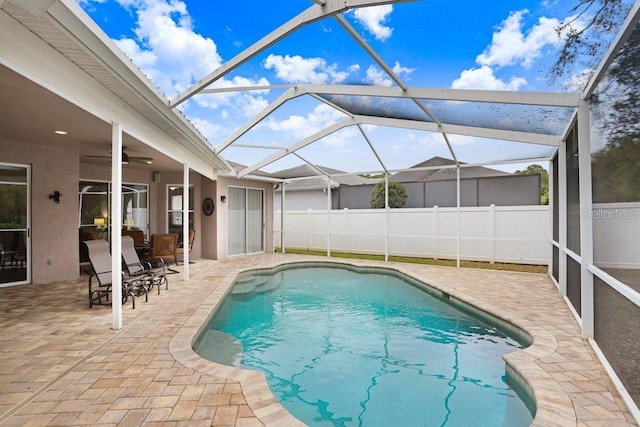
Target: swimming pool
point(341, 346)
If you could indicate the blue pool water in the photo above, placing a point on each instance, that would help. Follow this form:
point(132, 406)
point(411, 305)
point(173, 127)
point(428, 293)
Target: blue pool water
point(347, 348)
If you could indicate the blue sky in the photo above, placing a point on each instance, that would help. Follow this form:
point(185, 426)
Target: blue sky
point(463, 44)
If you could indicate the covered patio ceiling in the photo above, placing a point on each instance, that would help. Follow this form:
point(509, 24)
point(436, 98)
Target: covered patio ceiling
point(534, 123)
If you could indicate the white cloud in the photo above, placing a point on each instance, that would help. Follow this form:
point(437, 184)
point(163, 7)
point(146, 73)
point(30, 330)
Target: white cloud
point(166, 48)
point(243, 104)
point(483, 78)
point(211, 131)
point(399, 69)
point(511, 46)
point(298, 127)
point(377, 77)
point(296, 69)
point(578, 81)
point(373, 19)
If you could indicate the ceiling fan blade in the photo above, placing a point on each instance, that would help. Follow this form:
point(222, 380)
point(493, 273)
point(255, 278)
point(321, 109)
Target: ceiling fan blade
point(126, 159)
point(143, 160)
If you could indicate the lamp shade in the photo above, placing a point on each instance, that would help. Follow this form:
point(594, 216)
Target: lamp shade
point(99, 221)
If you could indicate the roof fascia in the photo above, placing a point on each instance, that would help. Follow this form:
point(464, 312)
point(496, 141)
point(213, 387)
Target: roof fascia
point(312, 14)
point(70, 18)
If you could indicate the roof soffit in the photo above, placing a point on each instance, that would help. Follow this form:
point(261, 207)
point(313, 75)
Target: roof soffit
point(66, 28)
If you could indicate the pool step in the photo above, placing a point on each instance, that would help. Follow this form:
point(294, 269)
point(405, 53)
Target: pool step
point(246, 287)
point(267, 285)
point(221, 348)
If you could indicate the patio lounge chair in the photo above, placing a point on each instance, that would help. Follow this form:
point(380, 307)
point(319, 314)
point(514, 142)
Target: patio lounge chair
point(100, 259)
point(136, 268)
point(181, 247)
point(163, 247)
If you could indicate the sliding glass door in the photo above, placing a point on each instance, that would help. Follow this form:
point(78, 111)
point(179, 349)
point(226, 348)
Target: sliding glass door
point(246, 220)
point(14, 225)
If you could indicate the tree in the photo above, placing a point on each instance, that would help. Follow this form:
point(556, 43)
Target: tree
point(544, 180)
point(397, 195)
point(588, 39)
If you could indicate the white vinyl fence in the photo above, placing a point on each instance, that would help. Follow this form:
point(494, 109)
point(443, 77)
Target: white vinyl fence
point(518, 234)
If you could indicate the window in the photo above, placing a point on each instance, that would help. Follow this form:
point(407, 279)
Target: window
point(94, 207)
point(174, 209)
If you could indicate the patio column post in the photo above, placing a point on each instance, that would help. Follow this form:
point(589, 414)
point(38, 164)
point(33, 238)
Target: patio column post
point(185, 222)
point(386, 217)
point(586, 222)
point(562, 217)
point(116, 224)
point(551, 209)
point(458, 216)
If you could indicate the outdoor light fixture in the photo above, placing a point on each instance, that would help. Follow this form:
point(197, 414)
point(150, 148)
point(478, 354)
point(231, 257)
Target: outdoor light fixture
point(223, 199)
point(55, 196)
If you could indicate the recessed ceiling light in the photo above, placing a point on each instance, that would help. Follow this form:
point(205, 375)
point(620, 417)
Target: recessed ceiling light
point(60, 132)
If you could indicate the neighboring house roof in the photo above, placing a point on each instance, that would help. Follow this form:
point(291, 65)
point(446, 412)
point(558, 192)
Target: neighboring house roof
point(315, 180)
point(443, 174)
point(237, 167)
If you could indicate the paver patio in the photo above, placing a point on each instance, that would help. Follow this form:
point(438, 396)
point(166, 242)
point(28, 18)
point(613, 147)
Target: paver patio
point(62, 364)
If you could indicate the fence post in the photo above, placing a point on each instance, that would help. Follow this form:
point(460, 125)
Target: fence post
point(386, 217)
point(309, 228)
point(437, 223)
point(328, 217)
point(492, 214)
point(282, 204)
point(346, 234)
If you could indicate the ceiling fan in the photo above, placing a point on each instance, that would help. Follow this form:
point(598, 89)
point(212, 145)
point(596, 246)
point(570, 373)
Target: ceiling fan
point(126, 159)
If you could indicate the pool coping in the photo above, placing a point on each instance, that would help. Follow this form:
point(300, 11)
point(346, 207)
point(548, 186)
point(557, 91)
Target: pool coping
point(553, 405)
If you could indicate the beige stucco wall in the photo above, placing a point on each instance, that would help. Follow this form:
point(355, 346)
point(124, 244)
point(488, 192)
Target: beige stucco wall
point(209, 223)
point(222, 217)
point(54, 226)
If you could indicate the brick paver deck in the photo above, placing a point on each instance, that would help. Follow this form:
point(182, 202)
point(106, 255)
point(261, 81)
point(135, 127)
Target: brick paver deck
point(61, 363)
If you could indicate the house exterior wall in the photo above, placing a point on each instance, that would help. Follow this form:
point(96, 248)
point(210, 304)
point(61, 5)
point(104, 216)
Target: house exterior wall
point(512, 190)
point(54, 226)
point(515, 190)
point(415, 194)
point(222, 216)
point(443, 193)
point(355, 197)
point(209, 224)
